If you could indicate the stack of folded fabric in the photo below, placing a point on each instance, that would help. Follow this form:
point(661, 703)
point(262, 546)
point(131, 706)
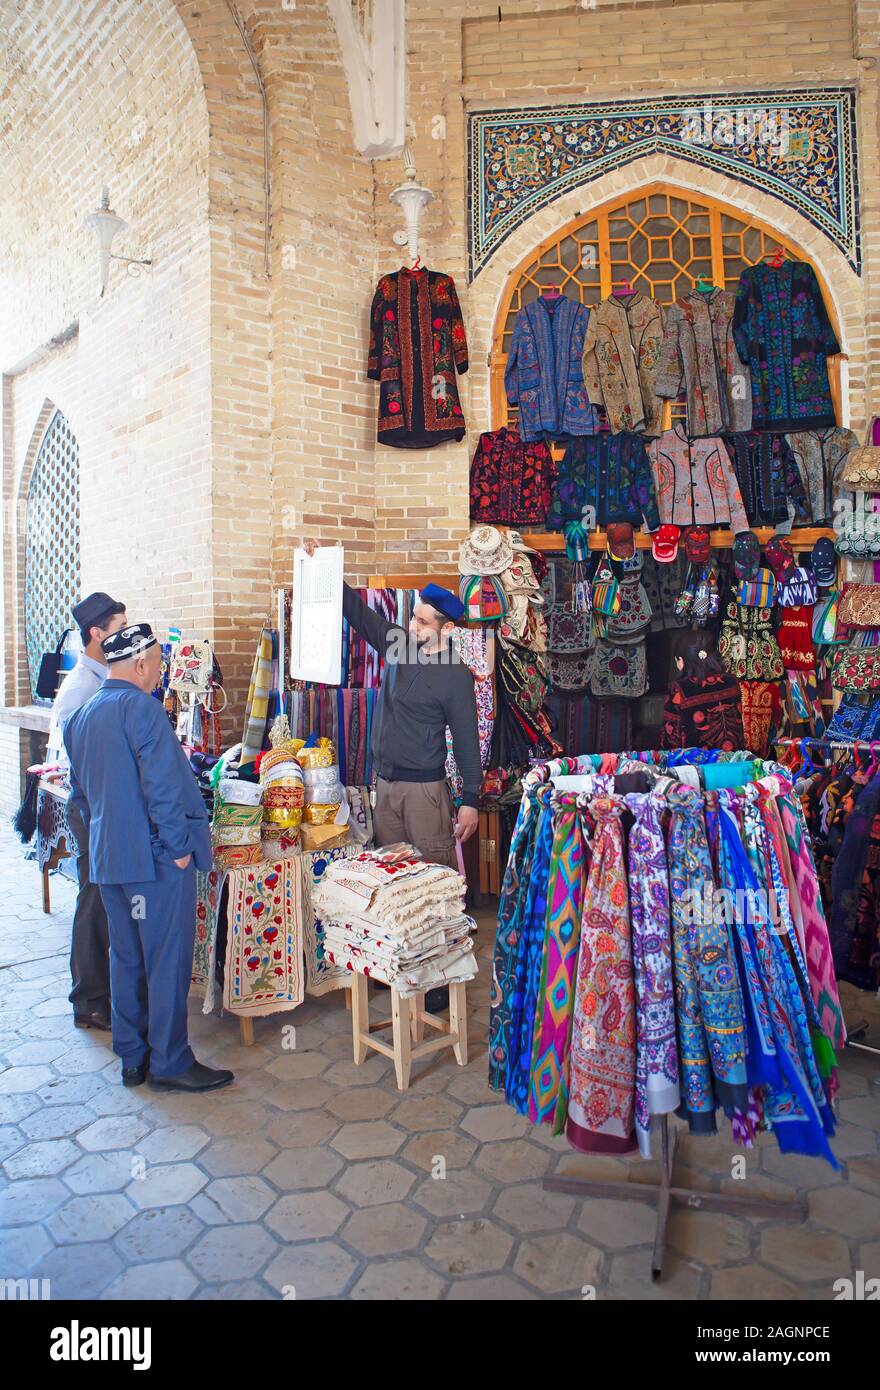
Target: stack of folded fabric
point(392, 916)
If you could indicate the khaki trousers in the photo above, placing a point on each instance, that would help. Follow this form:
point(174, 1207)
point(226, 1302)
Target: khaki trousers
point(419, 813)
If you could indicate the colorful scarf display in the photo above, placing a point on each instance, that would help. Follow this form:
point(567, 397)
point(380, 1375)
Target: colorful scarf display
point(256, 713)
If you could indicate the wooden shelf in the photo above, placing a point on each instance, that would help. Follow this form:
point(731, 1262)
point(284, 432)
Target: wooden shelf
point(802, 538)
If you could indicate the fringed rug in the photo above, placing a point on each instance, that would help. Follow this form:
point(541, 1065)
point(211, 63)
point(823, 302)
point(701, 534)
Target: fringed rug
point(264, 944)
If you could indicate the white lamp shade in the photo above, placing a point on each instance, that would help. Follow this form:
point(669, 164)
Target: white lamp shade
point(412, 199)
point(105, 224)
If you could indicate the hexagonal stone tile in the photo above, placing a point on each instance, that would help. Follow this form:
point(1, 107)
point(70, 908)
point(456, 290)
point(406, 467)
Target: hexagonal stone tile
point(861, 1111)
point(17, 1080)
point(162, 1279)
point(165, 1184)
point(245, 1153)
point(804, 1253)
point(616, 1225)
point(23, 1248)
point(387, 1280)
point(709, 1237)
point(558, 1263)
point(110, 1172)
point(15, 1108)
point(298, 1066)
point(428, 1112)
point(161, 1233)
point(80, 1271)
point(123, 1100)
point(56, 1121)
point(747, 1282)
point(240, 1199)
point(469, 1247)
point(236, 1291)
point(113, 1132)
point(43, 1159)
point(493, 1288)
point(70, 1090)
point(370, 1184)
point(244, 1248)
point(423, 1150)
point(472, 1088)
point(30, 1199)
point(300, 1129)
point(370, 1139)
point(11, 1139)
point(337, 1047)
point(301, 1095)
point(78, 1061)
point(487, 1122)
point(173, 1143)
point(527, 1207)
point(863, 1172)
point(457, 1194)
point(306, 1216)
point(303, 1168)
point(848, 1210)
point(630, 1278)
point(384, 1230)
point(360, 1104)
point(37, 1050)
point(321, 1270)
point(367, 1074)
point(239, 1117)
point(90, 1218)
point(513, 1161)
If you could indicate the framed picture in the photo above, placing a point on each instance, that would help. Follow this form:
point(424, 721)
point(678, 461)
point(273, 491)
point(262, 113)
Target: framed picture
point(316, 627)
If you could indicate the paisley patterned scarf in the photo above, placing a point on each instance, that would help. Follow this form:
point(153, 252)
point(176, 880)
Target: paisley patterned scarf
point(603, 1047)
point(530, 952)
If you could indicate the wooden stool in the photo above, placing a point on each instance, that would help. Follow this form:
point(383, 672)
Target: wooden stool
point(407, 1023)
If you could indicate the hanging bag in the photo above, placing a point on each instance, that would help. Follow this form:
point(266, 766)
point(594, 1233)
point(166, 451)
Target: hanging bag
point(50, 665)
point(605, 589)
point(861, 467)
point(860, 606)
point(856, 669)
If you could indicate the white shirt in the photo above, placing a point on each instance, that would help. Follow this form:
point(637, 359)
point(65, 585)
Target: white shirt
point(78, 686)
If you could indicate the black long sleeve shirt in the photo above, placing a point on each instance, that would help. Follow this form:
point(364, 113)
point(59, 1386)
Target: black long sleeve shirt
point(421, 694)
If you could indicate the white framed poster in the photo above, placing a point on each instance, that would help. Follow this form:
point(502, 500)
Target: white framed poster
point(316, 626)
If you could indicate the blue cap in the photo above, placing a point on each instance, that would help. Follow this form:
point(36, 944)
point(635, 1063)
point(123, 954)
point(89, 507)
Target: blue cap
point(446, 602)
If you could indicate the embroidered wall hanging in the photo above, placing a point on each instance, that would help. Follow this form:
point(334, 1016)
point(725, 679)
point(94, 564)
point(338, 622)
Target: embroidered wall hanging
point(798, 145)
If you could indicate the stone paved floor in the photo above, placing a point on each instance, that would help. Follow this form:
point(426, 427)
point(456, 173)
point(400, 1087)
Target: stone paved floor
point(313, 1175)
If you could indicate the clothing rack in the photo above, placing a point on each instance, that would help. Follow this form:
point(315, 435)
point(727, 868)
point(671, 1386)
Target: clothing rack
point(665, 1196)
point(854, 1031)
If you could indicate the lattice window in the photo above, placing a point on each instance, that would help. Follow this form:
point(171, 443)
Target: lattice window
point(660, 239)
point(51, 569)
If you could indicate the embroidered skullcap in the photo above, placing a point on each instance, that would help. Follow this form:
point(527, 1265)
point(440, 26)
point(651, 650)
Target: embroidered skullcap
point(128, 642)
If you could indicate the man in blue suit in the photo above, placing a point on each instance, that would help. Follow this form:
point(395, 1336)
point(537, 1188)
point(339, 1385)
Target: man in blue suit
point(148, 833)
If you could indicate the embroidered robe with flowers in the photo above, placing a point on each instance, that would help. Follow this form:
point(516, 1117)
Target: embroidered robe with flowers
point(417, 343)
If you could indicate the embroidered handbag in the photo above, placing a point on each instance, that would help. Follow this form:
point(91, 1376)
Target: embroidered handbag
point(618, 670)
point(190, 668)
point(570, 671)
point(860, 605)
point(856, 669)
point(861, 467)
point(633, 616)
point(859, 541)
point(759, 592)
point(854, 720)
point(567, 631)
point(523, 678)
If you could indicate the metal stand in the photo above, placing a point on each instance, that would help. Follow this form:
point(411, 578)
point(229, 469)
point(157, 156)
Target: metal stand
point(665, 1196)
point(855, 1031)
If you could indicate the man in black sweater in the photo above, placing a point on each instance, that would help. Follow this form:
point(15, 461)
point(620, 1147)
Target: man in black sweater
point(425, 688)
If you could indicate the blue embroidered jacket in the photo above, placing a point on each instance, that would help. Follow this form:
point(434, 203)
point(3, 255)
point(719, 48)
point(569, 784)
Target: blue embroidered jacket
point(544, 374)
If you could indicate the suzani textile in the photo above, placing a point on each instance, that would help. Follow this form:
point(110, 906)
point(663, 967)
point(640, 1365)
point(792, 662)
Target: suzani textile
point(264, 942)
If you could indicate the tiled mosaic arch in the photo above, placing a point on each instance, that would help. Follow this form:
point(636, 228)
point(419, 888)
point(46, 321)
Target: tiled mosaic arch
point(798, 145)
point(51, 559)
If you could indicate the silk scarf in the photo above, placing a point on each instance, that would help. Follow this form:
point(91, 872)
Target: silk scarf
point(511, 906)
point(527, 970)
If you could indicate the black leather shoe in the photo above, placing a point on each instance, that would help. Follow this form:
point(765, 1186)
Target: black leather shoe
point(436, 1000)
point(99, 1021)
point(134, 1076)
point(197, 1078)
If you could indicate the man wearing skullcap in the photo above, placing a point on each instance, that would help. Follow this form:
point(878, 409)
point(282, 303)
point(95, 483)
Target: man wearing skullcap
point(148, 833)
point(97, 616)
point(425, 688)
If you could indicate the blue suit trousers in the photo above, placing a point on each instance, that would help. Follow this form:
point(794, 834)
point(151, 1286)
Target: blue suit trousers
point(152, 931)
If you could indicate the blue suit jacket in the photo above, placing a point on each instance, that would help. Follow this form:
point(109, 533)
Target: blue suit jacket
point(137, 793)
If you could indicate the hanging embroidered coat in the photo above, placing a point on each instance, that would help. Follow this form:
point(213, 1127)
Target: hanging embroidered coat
point(621, 357)
point(511, 481)
point(783, 333)
point(417, 344)
point(544, 375)
point(768, 478)
point(819, 456)
point(703, 713)
point(695, 482)
point(699, 357)
point(610, 473)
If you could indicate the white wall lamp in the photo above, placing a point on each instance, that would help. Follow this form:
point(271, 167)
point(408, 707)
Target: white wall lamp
point(105, 225)
point(412, 198)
